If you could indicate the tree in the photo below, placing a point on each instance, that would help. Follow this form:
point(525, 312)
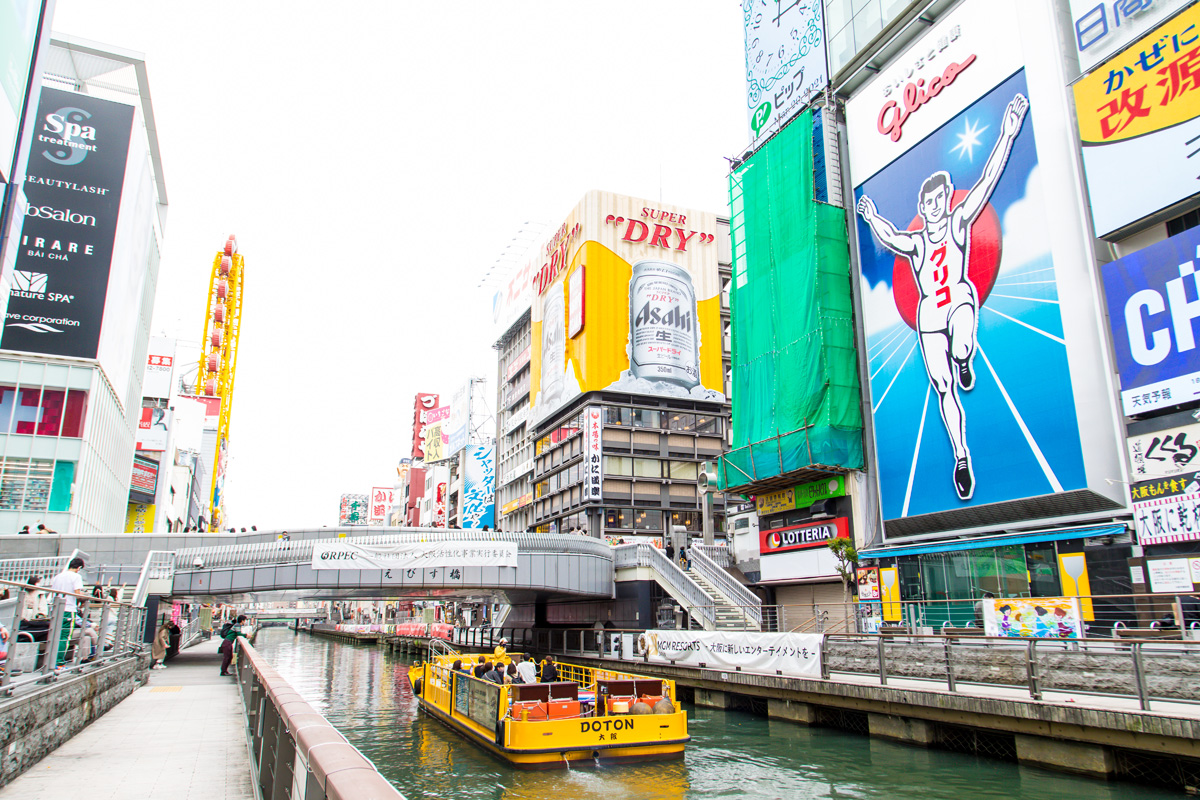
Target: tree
point(847, 560)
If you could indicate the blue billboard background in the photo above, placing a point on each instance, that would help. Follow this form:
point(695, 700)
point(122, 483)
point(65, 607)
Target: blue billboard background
point(1020, 418)
point(479, 487)
point(1150, 297)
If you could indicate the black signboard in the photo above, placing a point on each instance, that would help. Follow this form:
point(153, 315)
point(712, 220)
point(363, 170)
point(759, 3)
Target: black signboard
point(73, 185)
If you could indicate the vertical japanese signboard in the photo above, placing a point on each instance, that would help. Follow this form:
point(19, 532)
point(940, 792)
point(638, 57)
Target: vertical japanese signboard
point(1152, 313)
point(785, 62)
point(74, 182)
point(381, 502)
point(424, 403)
point(593, 447)
point(479, 488)
point(1139, 122)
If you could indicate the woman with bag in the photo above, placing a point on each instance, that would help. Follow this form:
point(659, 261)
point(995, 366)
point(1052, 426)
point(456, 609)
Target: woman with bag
point(158, 648)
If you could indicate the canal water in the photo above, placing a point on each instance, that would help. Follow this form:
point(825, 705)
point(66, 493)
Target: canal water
point(363, 690)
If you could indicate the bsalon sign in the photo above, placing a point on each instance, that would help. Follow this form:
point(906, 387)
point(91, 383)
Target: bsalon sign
point(799, 537)
point(418, 555)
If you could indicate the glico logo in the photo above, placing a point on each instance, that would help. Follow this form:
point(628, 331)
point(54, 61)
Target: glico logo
point(49, 212)
point(67, 130)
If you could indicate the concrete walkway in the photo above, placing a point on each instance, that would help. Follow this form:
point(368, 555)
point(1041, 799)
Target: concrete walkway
point(181, 736)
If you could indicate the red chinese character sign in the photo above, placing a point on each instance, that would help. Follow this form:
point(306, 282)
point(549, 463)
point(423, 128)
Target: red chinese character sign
point(1139, 119)
point(424, 403)
point(381, 503)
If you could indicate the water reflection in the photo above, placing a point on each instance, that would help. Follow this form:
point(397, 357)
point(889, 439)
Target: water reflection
point(364, 691)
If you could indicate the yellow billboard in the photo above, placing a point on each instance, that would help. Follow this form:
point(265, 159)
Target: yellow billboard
point(628, 299)
point(139, 518)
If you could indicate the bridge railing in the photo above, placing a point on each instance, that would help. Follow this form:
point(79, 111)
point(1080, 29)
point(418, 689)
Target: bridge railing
point(296, 752)
point(300, 552)
point(22, 569)
point(647, 555)
point(43, 641)
point(1144, 671)
point(719, 553)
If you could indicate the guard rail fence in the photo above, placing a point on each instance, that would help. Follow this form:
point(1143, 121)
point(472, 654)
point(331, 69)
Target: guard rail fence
point(296, 752)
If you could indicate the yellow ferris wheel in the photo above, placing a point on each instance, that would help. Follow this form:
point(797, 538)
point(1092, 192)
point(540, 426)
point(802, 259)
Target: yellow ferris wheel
point(218, 360)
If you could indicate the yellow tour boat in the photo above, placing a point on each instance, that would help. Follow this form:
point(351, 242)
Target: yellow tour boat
point(589, 715)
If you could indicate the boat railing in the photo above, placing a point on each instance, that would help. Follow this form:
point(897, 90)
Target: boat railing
point(440, 647)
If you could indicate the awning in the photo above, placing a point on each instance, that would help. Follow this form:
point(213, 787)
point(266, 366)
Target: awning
point(978, 543)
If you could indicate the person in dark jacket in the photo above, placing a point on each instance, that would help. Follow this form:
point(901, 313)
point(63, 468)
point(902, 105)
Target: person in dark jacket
point(549, 671)
point(228, 639)
point(493, 675)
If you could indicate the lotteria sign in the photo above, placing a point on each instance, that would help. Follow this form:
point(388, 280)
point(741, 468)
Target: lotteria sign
point(799, 537)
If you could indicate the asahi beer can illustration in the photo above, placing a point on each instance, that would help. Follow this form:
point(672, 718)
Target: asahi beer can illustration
point(664, 337)
point(554, 346)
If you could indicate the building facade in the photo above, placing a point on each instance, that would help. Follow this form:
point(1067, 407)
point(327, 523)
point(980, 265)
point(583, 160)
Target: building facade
point(75, 343)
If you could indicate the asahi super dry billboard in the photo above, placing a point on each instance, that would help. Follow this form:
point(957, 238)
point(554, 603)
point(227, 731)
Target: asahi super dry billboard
point(627, 299)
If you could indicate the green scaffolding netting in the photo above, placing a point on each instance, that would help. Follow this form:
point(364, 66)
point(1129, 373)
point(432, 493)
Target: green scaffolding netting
point(796, 394)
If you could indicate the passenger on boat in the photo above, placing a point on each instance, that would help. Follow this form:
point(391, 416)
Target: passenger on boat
point(458, 667)
point(493, 674)
point(501, 652)
point(481, 668)
point(549, 671)
point(527, 669)
point(511, 675)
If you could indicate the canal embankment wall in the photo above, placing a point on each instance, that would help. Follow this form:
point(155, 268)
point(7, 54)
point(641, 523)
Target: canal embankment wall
point(40, 719)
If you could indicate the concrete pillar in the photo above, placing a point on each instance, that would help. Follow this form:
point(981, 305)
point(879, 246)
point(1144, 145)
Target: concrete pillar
point(712, 698)
point(791, 710)
point(901, 729)
point(1086, 759)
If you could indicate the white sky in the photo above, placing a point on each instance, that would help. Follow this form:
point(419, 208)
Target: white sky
point(374, 159)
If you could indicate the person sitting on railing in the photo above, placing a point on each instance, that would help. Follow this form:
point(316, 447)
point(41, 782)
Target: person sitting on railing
point(71, 582)
point(37, 603)
point(89, 642)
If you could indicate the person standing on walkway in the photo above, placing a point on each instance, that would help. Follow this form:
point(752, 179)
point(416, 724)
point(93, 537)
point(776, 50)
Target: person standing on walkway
point(230, 639)
point(158, 648)
point(71, 582)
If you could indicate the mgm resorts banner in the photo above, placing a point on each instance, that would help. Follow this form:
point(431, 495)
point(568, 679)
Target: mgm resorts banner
point(792, 654)
point(417, 555)
point(74, 178)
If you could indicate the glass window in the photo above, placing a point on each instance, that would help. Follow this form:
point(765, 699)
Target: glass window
point(688, 519)
point(52, 412)
point(25, 484)
point(542, 489)
point(707, 424)
point(647, 468)
point(27, 412)
point(647, 520)
point(618, 416)
point(683, 422)
point(8, 398)
point(645, 418)
point(683, 470)
point(620, 518)
point(616, 465)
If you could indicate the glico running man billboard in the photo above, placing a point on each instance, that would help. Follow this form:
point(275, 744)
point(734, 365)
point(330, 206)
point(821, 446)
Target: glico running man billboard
point(74, 183)
point(627, 299)
point(969, 351)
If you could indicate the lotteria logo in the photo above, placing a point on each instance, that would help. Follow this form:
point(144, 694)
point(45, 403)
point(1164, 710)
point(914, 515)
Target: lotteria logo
point(65, 129)
point(804, 536)
point(61, 215)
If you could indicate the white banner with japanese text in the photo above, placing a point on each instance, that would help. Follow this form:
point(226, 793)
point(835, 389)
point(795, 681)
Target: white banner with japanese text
point(1167, 509)
point(343, 555)
point(792, 654)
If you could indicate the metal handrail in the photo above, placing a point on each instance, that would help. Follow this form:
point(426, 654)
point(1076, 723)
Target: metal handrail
point(20, 569)
point(746, 601)
point(693, 594)
point(300, 552)
point(719, 553)
point(159, 565)
point(115, 634)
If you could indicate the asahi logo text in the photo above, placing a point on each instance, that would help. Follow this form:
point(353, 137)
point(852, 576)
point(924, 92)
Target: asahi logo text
point(674, 316)
point(65, 129)
point(61, 215)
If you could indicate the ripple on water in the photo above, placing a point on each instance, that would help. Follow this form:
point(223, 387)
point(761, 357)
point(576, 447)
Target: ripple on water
point(364, 692)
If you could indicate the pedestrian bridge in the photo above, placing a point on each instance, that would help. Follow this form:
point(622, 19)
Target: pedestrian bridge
point(548, 565)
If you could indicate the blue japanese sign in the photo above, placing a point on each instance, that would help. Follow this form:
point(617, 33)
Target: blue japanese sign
point(1153, 300)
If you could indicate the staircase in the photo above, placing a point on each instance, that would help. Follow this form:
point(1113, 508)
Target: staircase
point(727, 616)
